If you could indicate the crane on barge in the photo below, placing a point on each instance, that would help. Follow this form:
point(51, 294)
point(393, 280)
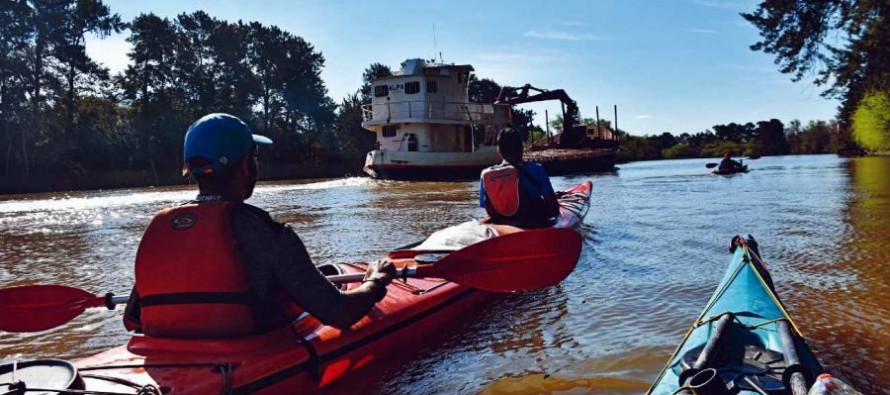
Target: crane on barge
point(574, 133)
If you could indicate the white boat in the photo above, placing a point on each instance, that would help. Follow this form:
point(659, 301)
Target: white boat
point(425, 124)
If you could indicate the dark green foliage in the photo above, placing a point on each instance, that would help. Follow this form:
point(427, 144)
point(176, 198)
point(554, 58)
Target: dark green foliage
point(373, 72)
point(64, 116)
point(842, 43)
point(818, 137)
point(483, 91)
point(486, 91)
point(763, 138)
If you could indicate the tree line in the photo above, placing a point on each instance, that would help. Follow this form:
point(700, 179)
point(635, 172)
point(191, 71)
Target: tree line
point(770, 137)
point(64, 119)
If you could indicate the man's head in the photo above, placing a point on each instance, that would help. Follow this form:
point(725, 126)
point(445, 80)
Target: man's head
point(727, 155)
point(510, 145)
point(220, 153)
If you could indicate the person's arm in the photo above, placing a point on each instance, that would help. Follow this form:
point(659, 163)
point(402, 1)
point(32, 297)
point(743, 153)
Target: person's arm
point(275, 257)
point(551, 202)
point(307, 286)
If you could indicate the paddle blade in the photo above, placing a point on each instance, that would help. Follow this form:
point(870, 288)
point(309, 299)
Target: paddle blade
point(754, 157)
point(531, 259)
point(34, 308)
point(711, 165)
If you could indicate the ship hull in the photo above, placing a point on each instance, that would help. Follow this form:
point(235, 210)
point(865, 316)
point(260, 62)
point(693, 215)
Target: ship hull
point(429, 166)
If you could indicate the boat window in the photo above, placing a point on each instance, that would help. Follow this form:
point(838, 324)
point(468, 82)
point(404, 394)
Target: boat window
point(390, 130)
point(381, 90)
point(432, 87)
point(412, 87)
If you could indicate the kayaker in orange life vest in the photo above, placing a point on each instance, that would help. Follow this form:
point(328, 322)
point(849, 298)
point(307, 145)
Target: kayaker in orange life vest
point(515, 192)
point(218, 267)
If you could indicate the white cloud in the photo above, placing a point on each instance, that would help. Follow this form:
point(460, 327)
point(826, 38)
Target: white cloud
point(702, 31)
point(644, 116)
point(564, 36)
point(110, 52)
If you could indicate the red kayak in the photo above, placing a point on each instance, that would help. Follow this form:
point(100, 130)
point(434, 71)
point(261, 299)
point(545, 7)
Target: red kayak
point(573, 205)
point(308, 355)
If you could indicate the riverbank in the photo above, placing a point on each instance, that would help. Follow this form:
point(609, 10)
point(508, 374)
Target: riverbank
point(120, 179)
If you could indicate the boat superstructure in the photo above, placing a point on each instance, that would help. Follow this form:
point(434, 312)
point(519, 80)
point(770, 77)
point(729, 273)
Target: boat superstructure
point(426, 126)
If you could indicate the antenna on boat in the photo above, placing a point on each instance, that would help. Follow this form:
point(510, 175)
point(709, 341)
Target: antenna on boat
point(435, 49)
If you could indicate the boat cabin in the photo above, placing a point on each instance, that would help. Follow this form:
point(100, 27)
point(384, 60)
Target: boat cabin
point(424, 107)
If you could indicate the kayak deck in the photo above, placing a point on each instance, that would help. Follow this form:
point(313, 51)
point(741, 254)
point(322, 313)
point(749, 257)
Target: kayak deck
point(745, 334)
point(573, 205)
point(305, 357)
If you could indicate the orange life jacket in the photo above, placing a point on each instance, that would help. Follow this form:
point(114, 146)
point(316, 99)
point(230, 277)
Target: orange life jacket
point(502, 189)
point(190, 277)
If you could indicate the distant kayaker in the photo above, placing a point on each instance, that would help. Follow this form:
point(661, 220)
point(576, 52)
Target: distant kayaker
point(217, 267)
point(728, 164)
point(515, 192)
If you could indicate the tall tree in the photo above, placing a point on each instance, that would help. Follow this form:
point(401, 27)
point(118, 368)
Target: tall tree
point(85, 17)
point(148, 84)
point(354, 140)
point(152, 58)
point(47, 16)
point(194, 61)
point(770, 135)
point(842, 42)
point(266, 53)
point(236, 84)
point(15, 36)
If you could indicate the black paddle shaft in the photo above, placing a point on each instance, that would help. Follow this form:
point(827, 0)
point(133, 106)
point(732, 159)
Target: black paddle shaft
point(794, 371)
point(708, 352)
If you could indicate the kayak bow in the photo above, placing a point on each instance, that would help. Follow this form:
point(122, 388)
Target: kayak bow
point(744, 342)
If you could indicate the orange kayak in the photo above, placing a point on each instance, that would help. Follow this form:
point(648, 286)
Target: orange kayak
point(303, 358)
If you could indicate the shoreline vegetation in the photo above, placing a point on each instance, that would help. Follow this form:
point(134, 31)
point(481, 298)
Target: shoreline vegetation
point(67, 123)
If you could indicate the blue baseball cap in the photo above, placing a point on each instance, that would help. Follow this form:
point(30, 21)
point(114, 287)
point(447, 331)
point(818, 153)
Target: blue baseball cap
point(221, 139)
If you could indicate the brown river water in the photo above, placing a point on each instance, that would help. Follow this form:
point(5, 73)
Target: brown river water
point(655, 247)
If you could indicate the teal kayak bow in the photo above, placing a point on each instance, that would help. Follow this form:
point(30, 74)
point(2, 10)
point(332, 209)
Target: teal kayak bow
point(744, 342)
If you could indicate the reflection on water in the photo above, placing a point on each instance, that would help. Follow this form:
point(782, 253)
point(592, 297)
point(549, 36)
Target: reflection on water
point(853, 329)
point(654, 248)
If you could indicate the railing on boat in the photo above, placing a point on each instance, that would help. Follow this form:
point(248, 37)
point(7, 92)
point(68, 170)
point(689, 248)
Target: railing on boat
point(434, 111)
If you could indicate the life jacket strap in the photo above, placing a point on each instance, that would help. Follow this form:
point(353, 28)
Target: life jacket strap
point(195, 298)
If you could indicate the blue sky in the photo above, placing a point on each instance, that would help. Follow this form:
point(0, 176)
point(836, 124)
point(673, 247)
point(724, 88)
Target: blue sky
point(669, 65)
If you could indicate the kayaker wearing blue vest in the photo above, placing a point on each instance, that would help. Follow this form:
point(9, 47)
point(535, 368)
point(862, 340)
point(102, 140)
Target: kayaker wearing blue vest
point(217, 267)
point(515, 192)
